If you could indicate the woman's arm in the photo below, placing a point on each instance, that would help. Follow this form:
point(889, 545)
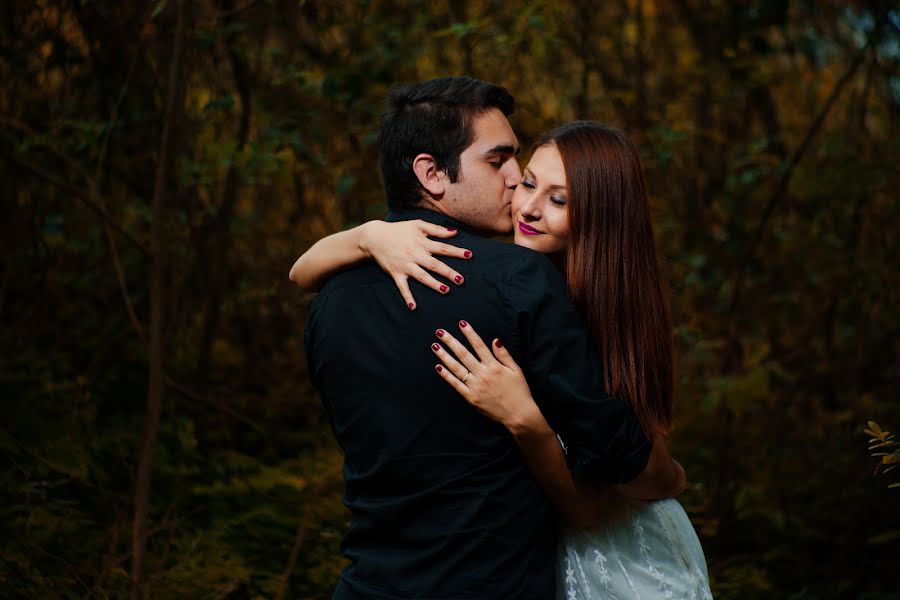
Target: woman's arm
point(402, 249)
point(494, 384)
point(328, 256)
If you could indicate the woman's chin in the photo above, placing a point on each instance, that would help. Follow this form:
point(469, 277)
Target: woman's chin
point(528, 241)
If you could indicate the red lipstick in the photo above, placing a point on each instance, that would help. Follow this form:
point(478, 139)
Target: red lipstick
point(528, 229)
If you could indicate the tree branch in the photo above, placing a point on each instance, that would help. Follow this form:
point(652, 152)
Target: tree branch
point(781, 188)
point(81, 195)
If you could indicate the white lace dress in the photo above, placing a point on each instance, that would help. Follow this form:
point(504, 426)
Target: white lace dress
point(645, 550)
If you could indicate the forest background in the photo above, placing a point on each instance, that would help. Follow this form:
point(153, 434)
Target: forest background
point(163, 163)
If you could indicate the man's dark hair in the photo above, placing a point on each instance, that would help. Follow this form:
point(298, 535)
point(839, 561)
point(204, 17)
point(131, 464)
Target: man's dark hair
point(432, 117)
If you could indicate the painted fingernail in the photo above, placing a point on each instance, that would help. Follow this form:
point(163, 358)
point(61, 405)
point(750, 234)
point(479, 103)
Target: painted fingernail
point(412, 306)
point(444, 289)
point(498, 343)
point(458, 279)
point(467, 254)
point(435, 347)
point(463, 324)
point(438, 368)
point(439, 333)
point(451, 230)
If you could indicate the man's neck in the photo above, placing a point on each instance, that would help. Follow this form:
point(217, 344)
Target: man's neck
point(438, 207)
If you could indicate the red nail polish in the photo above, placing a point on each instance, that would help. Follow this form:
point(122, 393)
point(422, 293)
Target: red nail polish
point(467, 254)
point(412, 306)
point(498, 343)
point(438, 368)
point(463, 324)
point(458, 279)
point(444, 289)
point(435, 347)
point(439, 332)
point(451, 230)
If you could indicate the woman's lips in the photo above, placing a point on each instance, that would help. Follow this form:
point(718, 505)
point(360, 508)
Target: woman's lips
point(528, 229)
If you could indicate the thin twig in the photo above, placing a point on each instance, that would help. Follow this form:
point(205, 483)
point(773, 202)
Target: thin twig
point(295, 549)
point(82, 196)
point(225, 409)
point(123, 286)
point(781, 188)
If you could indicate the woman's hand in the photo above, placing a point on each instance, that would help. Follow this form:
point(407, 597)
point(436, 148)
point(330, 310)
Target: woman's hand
point(492, 382)
point(404, 250)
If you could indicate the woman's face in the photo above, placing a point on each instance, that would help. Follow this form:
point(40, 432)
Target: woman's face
point(540, 215)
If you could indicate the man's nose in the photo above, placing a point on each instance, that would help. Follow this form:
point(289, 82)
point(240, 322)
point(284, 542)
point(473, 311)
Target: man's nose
point(513, 173)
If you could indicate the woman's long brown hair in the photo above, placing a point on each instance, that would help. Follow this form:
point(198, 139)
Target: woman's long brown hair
point(612, 267)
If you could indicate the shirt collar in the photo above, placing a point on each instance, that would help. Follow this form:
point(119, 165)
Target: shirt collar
point(410, 214)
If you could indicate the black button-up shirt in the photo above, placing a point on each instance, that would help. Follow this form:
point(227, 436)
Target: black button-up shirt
point(442, 505)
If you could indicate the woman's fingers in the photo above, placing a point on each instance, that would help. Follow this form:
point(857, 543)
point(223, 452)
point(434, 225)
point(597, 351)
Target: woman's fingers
point(403, 285)
point(462, 354)
point(450, 363)
point(442, 249)
point(433, 230)
point(503, 355)
point(477, 343)
point(454, 381)
point(442, 269)
point(423, 277)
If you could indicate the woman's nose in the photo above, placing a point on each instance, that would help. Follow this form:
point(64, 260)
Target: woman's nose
point(531, 208)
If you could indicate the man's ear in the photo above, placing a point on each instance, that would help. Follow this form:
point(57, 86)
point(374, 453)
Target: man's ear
point(431, 178)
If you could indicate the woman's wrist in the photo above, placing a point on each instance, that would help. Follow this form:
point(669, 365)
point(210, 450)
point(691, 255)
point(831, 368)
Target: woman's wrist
point(364, 237)
point(529, 423)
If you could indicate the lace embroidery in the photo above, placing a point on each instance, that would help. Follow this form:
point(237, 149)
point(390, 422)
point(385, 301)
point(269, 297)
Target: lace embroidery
point(665, 562)
point(586, 587)
point(694, 577)
point(615, 551)
point(571, 592)
point(645, 553)
point(605, 579)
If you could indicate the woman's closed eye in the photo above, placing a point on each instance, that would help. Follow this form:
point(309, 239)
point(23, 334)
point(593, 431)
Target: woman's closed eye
point(558, 200)
point(528, 183)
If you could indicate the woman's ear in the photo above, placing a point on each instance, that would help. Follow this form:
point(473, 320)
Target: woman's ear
point(431, 178)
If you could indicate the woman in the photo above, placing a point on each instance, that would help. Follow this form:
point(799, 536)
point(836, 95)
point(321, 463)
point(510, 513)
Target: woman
point(583, 202)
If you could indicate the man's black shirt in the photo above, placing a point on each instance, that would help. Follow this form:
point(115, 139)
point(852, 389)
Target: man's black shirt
point(442, 505)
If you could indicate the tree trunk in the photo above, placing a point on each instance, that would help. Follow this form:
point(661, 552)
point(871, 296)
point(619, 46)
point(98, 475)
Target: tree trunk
point(156, 385)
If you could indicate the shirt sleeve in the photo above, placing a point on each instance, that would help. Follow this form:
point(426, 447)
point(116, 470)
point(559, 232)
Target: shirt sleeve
point(604, 440)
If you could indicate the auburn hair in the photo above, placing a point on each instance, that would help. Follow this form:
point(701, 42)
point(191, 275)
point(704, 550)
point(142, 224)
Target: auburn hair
point(612, 269)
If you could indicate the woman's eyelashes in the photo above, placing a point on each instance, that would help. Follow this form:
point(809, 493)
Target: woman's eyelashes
point(555, 200)
point(558, 200)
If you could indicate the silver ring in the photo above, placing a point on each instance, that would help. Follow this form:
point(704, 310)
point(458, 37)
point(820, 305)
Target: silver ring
point(467, 376)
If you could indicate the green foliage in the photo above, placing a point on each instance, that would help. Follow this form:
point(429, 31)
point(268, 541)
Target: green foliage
point(775, 211)
point(885, 448)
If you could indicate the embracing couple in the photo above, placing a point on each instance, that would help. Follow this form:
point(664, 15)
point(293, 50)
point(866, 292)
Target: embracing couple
point(504, 438)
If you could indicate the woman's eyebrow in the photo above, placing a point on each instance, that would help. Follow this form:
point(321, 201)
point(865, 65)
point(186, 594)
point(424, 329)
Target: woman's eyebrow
point(533, 176)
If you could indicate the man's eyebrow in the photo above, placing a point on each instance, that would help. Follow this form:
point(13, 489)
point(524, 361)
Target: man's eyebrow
point(503, 149)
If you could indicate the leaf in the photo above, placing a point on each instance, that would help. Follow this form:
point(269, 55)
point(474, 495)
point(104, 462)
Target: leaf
point(160, 6)
point(887, 536)
point(345, 184)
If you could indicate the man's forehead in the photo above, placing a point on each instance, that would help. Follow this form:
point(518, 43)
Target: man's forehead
point(492, 130)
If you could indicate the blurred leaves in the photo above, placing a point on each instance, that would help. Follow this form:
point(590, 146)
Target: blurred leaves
point(783, 347)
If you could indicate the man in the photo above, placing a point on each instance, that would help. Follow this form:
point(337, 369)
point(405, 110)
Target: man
point(442, 505)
